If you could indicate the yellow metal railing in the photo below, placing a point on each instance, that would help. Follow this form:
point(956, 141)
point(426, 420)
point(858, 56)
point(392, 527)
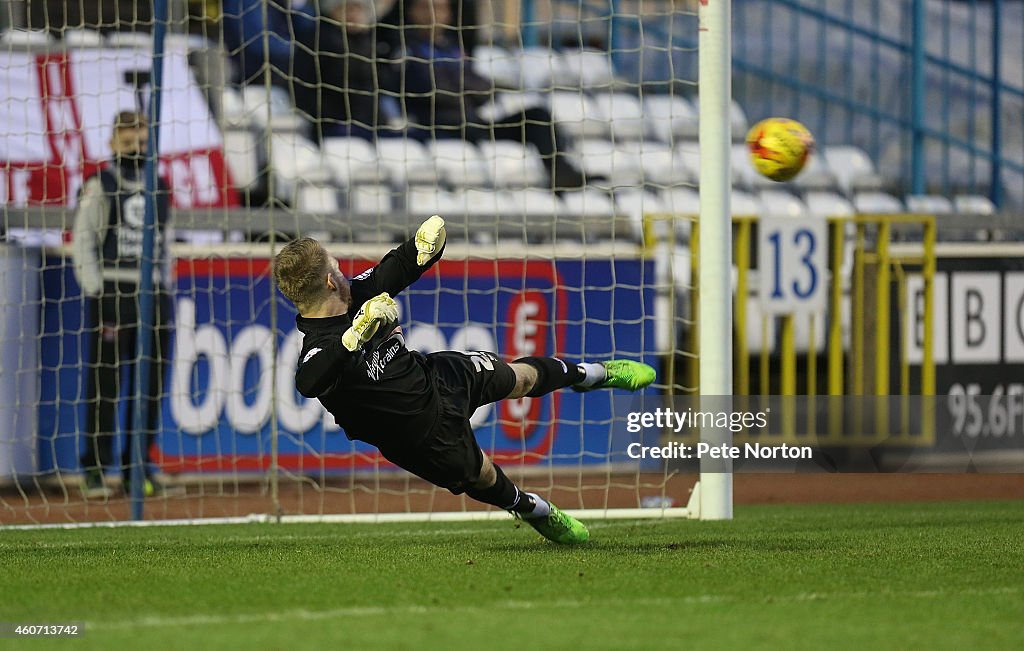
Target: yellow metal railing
point(850, 364)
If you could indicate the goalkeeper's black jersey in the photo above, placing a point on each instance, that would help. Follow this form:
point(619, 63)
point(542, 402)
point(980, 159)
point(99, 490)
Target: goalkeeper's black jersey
point(384, 388)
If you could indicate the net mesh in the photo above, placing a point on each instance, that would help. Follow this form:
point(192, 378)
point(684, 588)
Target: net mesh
point(544, 132)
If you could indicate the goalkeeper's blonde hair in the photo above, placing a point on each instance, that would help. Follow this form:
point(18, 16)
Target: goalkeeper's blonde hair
point(299, 271)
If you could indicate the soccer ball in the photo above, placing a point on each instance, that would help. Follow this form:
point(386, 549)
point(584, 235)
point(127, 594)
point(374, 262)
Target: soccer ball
point(779, 147)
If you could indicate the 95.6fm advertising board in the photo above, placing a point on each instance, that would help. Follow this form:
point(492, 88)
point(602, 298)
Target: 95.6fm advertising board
point(220, 393)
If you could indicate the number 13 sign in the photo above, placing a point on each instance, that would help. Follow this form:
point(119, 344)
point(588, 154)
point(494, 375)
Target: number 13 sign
point(792, 264)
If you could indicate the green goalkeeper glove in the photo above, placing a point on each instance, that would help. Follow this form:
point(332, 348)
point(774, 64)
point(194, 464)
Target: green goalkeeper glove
point(379, 309)
point(429, 239)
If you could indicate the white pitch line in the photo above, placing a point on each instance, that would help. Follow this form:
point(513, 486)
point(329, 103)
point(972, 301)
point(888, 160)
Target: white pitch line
point(269, 536)
point(417, 609)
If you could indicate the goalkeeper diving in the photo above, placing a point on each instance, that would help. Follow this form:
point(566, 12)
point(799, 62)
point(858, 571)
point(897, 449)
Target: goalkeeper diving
point(415, 408)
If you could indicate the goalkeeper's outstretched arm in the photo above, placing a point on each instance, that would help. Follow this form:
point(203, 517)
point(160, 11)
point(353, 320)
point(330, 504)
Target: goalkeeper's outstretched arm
point(403, 265)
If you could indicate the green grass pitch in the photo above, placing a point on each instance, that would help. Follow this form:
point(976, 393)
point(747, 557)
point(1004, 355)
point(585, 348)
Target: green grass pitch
point(893, 576)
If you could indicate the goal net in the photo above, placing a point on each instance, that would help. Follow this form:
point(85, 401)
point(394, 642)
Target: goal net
point(558, 139)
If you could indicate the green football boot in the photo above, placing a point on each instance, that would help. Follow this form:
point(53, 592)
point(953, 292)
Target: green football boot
point(623, 374)
point(560, 528)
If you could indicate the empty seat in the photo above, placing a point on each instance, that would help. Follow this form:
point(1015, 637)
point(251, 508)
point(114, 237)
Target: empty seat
point(459, 162)
point(497, 64)
point(407, 161)
point(689, 156)
point(484, 202)
point(271, 110)
point(137, 40)
point(670, 117)
point(294, 158)
point(682, 201)
point(779, 203)
point(511, 164)
point(973, 204)
point(588, 203)
point(929, 204)
point(816, 175)
point(539, 67)
point(370, 199)
point(872, 202)
point(738, 121)
point(578, 115)
point(852, 167)
point(317, 198)
point(23, 37)
point(658, 163)
point(744, 204)
point(636, 204)
point(586, 69)
point(624, 114)
point(353, 160)
point(603, 158)
point(241, 152)
point(82, 37)
point(426, 200)
point(534, 201)
point(828, 204)
point(743, 173)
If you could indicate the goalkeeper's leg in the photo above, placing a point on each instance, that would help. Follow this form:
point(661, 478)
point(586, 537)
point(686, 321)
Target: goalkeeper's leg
point(493, 487)
point(538, 376)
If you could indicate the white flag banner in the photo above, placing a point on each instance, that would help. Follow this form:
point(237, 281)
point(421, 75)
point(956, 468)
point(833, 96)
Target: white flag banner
point(56, 116)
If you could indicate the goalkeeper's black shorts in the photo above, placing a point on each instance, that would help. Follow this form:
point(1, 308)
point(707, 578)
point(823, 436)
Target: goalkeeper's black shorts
point(449, 455)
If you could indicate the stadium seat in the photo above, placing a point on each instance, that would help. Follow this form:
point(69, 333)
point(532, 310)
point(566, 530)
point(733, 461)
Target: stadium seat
point(497, 64)
point(738, 121)
point(586, 69)
point(534, 201)
point(427, 200)
point(928, 204)
point(779, 203)
point(271, 110)
point(137, 40)
point(370, 199)
point(82, 37)
point(852, 167)
point(743, 173)
point(353, 160)
point(241, 152)
point(603, 158)
point(688, 155)
point(293, 160)
point(816, 175)
point(459, 162)
point(872, 202)
point(539, 67)
point(23, 37)
point(682, 201)
point(407, 161)
point(624, 114)
point(484, 202)
point(670, 117)
point(684, 204)
point(578, 115)
point(588, 203)
point(233, 113)
point(635, 203)
point(511, 164)
point(973, 204)
point(744, 204)
point(509, 102)
point(828, 204)
point(658, 162)
point(317, 198)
